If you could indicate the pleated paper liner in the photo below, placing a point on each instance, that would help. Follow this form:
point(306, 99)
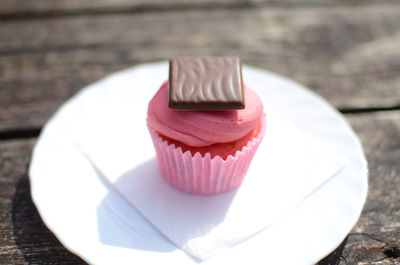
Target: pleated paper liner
point(203, 174)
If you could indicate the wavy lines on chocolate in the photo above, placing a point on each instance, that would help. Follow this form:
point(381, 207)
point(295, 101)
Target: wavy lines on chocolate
point(206, 80)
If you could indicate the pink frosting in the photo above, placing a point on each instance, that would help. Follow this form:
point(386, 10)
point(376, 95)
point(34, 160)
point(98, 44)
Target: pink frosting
point(202, 128)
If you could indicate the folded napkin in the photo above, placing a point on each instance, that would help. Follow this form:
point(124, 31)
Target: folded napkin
point(287, 168)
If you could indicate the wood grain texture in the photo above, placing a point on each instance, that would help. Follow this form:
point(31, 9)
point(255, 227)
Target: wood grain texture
point(376, 237)
point(39, 8)
point(15, 7)
point(374, 240)
point(348, 55)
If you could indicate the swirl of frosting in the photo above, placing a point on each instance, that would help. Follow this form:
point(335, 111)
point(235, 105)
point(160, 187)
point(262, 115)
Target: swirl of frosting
point(203, 128)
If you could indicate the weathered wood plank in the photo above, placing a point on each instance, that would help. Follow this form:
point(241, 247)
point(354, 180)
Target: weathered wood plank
point(376, 237)
point(21, 8)
point(48, 6)
point(327, 29)
point(349, 56)
point(25, 239)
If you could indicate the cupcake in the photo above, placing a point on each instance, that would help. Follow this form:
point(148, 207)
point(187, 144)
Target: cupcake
point(205, 125)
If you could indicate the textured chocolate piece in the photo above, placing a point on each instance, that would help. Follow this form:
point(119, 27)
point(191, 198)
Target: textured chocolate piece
point(206, 83)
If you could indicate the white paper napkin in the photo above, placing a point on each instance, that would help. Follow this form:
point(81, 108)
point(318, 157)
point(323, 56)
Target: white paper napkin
point(287, 168)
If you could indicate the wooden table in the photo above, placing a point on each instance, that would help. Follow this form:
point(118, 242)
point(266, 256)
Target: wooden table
point(347, 51)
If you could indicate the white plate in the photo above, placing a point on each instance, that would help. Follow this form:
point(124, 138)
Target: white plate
point(96, 223)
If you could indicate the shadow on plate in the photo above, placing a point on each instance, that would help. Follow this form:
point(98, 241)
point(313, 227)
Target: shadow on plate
point(120, 224)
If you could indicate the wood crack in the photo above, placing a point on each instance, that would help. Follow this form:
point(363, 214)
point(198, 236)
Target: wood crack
point(137, 9)
point(171, 7)
point(368, 109)
point(20, 134)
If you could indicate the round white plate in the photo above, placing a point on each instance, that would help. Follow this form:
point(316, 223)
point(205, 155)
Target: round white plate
point(96, 223)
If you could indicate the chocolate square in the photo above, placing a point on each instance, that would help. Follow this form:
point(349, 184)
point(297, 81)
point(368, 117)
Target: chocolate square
point(206, 83)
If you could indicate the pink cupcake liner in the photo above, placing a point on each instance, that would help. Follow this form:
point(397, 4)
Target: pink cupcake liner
point(202, 174)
